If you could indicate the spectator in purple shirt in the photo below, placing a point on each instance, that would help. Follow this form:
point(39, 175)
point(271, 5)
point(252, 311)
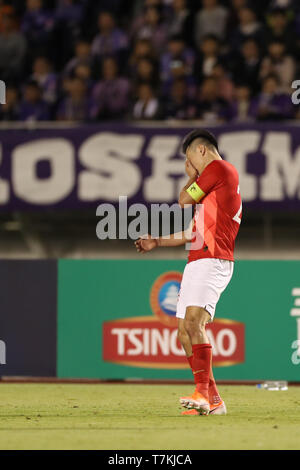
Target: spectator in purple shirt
point(271, 104)
point(110, 96)
point(46, 78)
point(37, 24)
point(33, 107)
point(75, 106)
point(111, 41)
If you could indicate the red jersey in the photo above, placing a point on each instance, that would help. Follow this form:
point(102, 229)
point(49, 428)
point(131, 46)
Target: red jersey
point(222, 209)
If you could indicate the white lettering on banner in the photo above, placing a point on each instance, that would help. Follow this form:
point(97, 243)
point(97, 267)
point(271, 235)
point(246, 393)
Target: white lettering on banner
point(121, 333)
point(232, 342)
point(4, 186)
point(217, 342)
point(283, 170)
point(161, 340)
point(2, 352)
point(160, 186)
point(236, 146)
point(151, 342)
point(27, 186)
point(110, 170)
point(146, 336)
point(132, 336)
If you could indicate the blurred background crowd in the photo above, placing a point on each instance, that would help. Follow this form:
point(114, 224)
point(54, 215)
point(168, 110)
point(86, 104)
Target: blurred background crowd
point(93, 60)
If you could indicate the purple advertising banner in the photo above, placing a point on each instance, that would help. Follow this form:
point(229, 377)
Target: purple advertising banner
point(82, 166)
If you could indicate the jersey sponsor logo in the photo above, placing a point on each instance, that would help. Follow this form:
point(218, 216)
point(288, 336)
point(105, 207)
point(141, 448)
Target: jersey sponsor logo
point(151, 341)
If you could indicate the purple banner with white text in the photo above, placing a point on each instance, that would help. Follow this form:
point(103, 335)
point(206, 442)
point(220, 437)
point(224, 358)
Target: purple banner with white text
point(82, 166)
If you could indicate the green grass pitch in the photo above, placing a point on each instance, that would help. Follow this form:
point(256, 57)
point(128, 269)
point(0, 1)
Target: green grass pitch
point(67, 416)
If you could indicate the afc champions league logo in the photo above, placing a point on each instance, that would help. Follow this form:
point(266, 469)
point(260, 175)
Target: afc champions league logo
point(164, 297)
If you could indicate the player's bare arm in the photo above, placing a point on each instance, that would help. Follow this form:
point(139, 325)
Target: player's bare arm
point(147, 243)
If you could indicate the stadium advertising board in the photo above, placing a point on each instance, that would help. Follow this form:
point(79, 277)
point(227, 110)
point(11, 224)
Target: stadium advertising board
point(28, 318)
point(151, 341)
point(116, 320)
point(83, 166)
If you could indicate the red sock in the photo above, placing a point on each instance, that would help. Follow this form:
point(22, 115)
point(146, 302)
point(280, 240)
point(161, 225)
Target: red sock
point(213, 393)
point(201, 367)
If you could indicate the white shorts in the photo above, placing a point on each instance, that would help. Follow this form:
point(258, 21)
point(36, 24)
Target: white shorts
point(203, 282)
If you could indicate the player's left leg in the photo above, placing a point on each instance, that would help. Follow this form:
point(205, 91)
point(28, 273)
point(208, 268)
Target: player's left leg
point(195, 322)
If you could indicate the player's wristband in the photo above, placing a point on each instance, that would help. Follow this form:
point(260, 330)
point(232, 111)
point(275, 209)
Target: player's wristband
point(195, 192)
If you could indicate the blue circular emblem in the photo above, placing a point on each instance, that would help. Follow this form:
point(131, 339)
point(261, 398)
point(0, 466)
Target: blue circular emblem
point(164, 297)
point(167, 297)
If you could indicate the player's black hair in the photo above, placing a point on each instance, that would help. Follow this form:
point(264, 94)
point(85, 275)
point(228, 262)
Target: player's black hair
point(199, 134)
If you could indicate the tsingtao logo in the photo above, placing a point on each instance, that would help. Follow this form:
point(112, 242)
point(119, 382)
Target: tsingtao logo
point(151, 341)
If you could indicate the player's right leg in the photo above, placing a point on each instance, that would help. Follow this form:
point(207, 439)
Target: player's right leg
point(195, 322)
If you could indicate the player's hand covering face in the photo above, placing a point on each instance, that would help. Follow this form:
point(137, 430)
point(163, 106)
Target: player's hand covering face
point(145, 244)
point(190, 169)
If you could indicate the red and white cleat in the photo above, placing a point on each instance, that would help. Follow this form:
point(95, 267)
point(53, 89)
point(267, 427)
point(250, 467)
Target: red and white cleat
point(197, 402)
point(218, 408)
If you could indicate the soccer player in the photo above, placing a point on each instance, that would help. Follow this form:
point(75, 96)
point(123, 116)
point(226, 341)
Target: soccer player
point(214, 183)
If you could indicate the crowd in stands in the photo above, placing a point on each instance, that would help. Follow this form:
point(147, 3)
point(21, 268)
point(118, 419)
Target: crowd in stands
point(92, 60)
